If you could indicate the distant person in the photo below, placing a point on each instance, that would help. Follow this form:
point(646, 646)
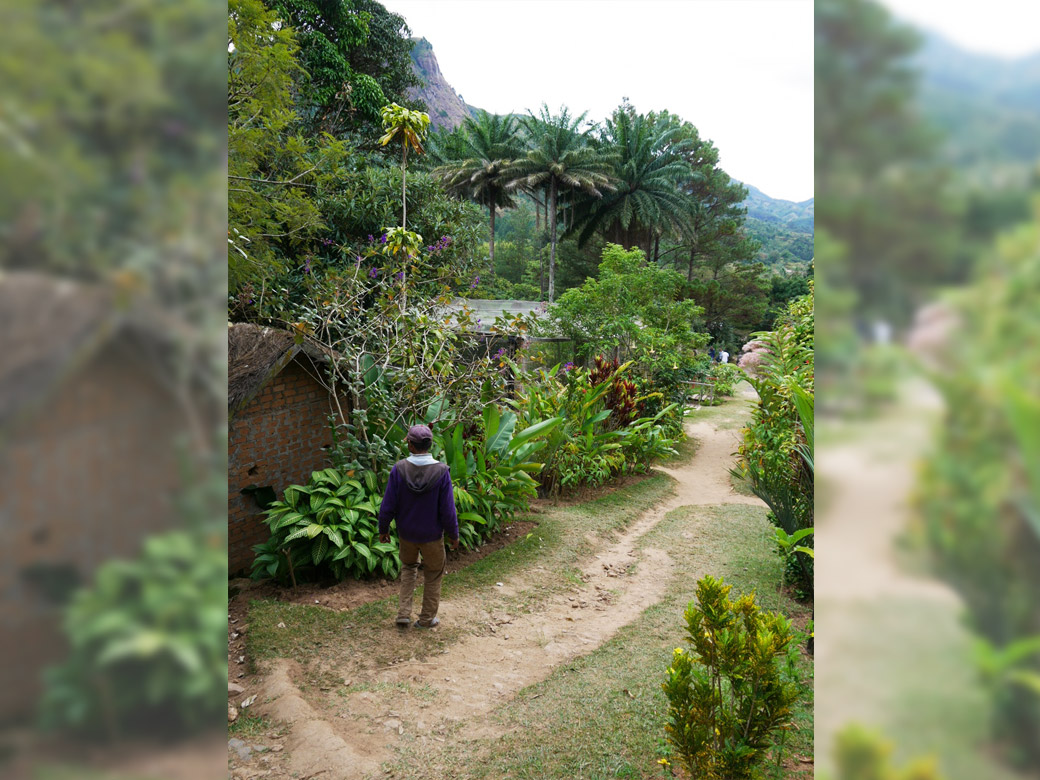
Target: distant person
point(723, 356)
point(711, 354)
point(420, 497)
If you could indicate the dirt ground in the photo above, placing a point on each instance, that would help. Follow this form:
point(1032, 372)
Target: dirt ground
point(480, 669)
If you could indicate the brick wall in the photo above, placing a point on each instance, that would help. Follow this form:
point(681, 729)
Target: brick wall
point(85, 480)
point(277, 439)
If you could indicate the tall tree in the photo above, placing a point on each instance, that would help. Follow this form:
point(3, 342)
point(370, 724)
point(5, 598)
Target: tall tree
point(355, 57)
point(881, 190)
point(492, 144)
point(410, 128)
point(648, 167)
point(273, 173)
point(560, 158)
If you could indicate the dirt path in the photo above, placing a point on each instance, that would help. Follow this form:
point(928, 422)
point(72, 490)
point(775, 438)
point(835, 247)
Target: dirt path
point(479, 672)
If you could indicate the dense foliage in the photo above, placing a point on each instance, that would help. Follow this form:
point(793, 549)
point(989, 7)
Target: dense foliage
point(148, 644)
point(776, 451)
point(600, 436)
point(979, 491)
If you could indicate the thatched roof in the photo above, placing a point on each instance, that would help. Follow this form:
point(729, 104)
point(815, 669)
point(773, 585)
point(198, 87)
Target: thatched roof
point(49, 327)
point(256, 355)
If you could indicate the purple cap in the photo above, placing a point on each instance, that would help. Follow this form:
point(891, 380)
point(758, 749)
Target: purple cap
point(420, 436)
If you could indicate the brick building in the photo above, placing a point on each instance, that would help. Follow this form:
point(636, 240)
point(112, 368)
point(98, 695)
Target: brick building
point(95, 422)
point(278, 428)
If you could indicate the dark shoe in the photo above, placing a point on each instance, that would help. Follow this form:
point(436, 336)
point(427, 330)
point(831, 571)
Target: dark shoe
point(431, 624)
point(403, 622)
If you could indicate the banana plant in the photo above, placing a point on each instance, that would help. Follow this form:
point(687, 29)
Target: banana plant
point(492, 478)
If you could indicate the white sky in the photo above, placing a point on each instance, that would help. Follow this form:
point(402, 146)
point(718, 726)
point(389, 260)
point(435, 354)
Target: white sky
point(1007, 28)
point(741, 71)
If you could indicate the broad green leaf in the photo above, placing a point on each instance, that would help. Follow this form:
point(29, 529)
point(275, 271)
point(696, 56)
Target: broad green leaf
point(498, 442)
point(491, 421)
point(319, 549)
point(435, 410)
point(538, 429)
point(334, 536)
point(472, 517)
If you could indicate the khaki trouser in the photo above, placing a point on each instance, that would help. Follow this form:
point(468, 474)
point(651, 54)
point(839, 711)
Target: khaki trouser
point(434, 560)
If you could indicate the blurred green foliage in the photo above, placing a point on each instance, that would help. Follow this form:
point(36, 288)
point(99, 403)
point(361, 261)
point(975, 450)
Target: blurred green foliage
point(865, 755)
point(978, 495)
point(148, 643)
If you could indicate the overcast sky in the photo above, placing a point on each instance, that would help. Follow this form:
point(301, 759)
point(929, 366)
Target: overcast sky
point(1007, 28)
point(740, 70)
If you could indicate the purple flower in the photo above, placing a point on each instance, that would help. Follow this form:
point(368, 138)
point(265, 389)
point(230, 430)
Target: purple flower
point(307, 266)
point(399, 275)
point(382, 239)
point(373, 273)
point(476, 281)
point(500, 352)
point(371, 240)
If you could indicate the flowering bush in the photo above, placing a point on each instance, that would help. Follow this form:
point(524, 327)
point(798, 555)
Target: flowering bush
point(586, 449)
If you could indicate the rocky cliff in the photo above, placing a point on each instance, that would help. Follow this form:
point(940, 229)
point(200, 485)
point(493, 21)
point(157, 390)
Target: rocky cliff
point(446, 107)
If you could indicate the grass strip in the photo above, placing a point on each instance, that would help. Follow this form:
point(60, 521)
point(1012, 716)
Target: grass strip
point(603, 715)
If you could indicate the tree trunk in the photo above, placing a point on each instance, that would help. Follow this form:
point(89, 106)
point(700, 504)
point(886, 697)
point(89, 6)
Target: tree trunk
point(491, 243)
point(552, 239)
point(541, 274)
point(657, 248)
point(693, 256)
point(404, 202)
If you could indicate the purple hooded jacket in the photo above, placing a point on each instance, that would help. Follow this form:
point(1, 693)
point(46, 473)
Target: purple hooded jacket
point(423, 502)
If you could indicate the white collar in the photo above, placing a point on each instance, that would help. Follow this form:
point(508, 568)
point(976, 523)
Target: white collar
point(425, 459)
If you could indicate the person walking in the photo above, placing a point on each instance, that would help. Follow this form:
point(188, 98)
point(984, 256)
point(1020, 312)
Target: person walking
point(419, 495)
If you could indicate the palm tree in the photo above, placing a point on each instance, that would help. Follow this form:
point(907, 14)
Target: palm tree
point(411, 128)
point(649, 170)
point(559, 158)
point(492, 144)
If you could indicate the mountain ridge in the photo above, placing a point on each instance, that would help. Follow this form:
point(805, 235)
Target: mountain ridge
point(445, 105)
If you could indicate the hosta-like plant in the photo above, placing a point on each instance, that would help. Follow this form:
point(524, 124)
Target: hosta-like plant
point(147, 643)
point(329, 526)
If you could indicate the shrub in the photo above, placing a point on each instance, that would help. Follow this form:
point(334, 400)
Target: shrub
point(726, 376)
point(326, 527)
point(728, 697)
point(492, 476)
point(148, 643)
point(776, 451)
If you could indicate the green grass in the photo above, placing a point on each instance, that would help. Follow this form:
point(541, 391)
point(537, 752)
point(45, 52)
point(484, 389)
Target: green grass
point(249, 726)
point(313, 633)
point(915, 684)
point(603, 715)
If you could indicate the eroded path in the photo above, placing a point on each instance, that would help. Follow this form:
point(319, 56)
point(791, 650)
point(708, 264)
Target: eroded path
point(424, 701)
